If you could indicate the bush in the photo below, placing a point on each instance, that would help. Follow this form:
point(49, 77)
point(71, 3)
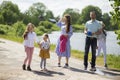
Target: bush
point(46, 24)
point(19, 28)
point(77, 27)
point(4, 29)
point(39, 30)
point(55, 28)
point(46, 27)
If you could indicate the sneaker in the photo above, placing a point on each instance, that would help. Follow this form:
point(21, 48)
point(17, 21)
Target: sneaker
point(24, 67)
point(85, 68)
point(90, 63)
point(66, 65)
point(28, 68)
point(45, 69)
point(105, 66)
point(42, 70)
point(93, 69)
point(59, 65)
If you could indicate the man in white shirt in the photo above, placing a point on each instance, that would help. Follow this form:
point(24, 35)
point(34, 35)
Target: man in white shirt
point(92, 29)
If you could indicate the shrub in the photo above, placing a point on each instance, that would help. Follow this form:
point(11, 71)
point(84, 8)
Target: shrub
point(77, 27)
point(46, 24)
point(4, 29)
point(19, 28)
point(46, 27)
point(55, 28)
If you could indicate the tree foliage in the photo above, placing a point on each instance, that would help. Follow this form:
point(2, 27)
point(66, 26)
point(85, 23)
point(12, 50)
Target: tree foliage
point(36, 13)
point(116, 15)
point(85, 15)
point(106, 20)
point(9, 12)
point(19, 28)
point(74, 13)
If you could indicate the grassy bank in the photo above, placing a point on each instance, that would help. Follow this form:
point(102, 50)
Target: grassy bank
point(112, 60)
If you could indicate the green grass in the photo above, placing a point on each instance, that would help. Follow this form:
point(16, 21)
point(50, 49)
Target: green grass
point(113, 61)
point(12, 38)
point(77, 28)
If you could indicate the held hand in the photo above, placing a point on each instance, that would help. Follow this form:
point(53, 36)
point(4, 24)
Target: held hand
point(89, 33)
point(85, 32)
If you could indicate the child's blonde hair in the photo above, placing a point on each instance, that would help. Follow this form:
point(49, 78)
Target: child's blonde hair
point(27, 30)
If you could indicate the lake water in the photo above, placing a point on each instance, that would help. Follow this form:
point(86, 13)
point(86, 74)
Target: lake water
point(78, 41)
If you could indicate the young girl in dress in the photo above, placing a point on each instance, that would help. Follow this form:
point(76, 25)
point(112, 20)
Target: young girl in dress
point(29, 39)
point(44, 51)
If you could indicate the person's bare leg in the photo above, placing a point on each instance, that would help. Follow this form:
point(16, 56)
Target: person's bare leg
point(67, 61)
point(30, 59)
point(59, 61)
point(27, 55)
point(26, 59)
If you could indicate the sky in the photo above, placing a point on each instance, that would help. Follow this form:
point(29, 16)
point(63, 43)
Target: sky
point(59, 6)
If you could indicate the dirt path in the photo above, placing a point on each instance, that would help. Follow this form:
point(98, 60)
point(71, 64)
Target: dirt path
point(11, 59)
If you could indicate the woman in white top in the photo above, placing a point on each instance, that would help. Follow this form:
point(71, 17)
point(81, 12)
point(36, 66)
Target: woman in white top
point(29, 39)
point(102, 44)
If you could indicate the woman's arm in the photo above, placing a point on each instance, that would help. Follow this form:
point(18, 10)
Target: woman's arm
point(59, 23)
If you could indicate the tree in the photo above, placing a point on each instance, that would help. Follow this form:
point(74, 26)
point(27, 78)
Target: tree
point(19, 28)
point(49, 14)
point(106, 20)
point(36, 13)
point(113, 24)
point(9, 12)
point(26, 18)
point(1, 19)
point(86, 13)
point(116, 15)
point(74, 13)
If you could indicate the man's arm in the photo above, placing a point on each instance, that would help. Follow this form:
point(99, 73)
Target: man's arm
point(85, 30)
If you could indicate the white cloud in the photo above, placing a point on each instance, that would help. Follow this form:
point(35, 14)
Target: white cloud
point(59, 6)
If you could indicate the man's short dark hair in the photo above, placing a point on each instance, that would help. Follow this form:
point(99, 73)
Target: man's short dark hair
point(92, 12)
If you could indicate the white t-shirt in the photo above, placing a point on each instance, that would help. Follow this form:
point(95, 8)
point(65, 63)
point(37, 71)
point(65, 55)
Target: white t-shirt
point(31, 38)
point(102, 36)
point(45, 44)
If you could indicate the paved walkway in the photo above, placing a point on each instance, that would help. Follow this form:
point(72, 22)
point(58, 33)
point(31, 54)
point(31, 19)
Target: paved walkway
point(11, 59)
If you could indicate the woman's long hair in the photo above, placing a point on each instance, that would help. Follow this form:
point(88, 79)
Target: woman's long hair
point(27, 30)
point(68, 22)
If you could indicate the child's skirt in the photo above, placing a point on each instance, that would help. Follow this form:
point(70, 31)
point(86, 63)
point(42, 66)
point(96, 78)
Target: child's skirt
point(44, 54)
